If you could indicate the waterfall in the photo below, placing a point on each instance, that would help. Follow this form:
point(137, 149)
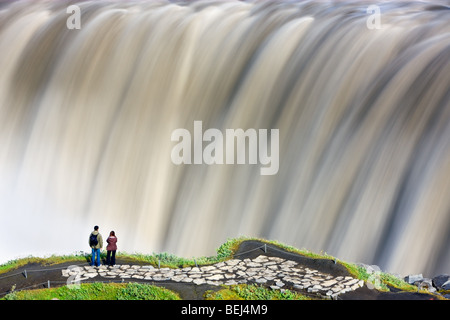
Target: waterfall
point(358, 94)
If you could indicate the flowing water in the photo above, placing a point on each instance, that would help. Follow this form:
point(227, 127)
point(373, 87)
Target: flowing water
point(360, 99)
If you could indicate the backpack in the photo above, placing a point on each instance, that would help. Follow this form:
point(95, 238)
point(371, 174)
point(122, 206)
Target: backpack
point(93, 241)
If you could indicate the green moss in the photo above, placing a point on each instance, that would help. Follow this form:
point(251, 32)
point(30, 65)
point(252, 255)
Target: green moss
point(52, 260)
point(252, 292)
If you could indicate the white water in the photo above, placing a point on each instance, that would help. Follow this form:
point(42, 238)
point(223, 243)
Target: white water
point(363, 114)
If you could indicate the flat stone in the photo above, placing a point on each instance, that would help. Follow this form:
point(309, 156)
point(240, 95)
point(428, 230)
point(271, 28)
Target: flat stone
point(329, 283)
point(148, 267)
point(255, 270)
point(195, 270)
point(199, 281)
point(219, 265)
point(260, 258)
point(179, 277)
point(160, 278)
point(118, 270)
point(241, 273)
point(215, 277)
point(260, 280)
point(207, 268)
point(350, 282)
point(254, 265)
point(91, 275)
point(289, 263)
point(232, 262)
point(195, 275)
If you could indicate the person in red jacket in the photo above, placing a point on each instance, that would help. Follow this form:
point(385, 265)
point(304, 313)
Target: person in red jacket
point(111, 249)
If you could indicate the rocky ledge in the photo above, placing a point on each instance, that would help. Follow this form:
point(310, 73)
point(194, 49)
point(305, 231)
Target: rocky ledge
point(433, 285)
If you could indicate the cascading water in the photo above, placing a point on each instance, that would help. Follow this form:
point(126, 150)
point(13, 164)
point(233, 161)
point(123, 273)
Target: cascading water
point(361, 106)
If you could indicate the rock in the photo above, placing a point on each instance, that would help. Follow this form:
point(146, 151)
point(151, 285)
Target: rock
point(411, 279)
point(440, 281)
point(329, 283)
point(199, 281)
point(220, 264)
point(254, 265)
point(148, 267)
point(215, 277)
point(427, 284)
point(91, 275)
point(446, 286)
point(207, 268)
point(350, 282)
point(178, 278)
point(232, 262)
point(195, 270)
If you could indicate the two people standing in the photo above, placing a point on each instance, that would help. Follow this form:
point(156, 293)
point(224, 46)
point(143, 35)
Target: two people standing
point(96, 244)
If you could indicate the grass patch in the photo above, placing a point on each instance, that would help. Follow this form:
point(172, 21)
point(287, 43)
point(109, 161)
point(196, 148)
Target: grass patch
point(252, 292)
point(52, 260)
point(97, 291)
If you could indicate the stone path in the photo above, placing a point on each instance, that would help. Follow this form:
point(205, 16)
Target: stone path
point(275, 272)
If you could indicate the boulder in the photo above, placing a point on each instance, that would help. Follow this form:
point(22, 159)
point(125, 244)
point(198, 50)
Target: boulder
point(411, 279)
point(426, 284)
point(442, 282)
